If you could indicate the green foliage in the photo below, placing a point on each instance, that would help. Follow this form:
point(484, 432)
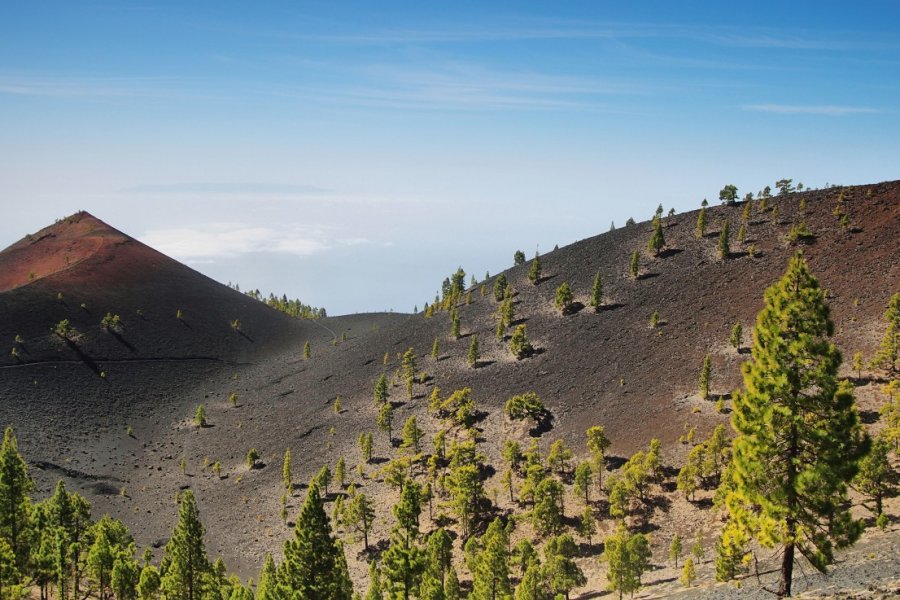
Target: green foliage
point(365, 446)
point(705, 377)
point(628, 556)
point(525, 406)
point(548, 511)
point(675, 549)
point(876, 478)
point(187, 565)
point(534, 273)
point(561, 571)
point(688, 573)
point(584, 476)
point(287, 477)
point(436, 349)
point(381, 393)
point(412, 435)
point(200, 416)
point(700, 230)
point(454, 325)
point(634, 267)
point(799, 438)
point(724, 247)
point(559, 458)
point(888, 355)
point(800, 234)
point(728, 194)
point(500, 287)
point(65, 330)
point(473, 355)
point(307, 351)
point(252, 458)
point(15, 484)
point(490, 577)
point(654, 319)
point(519, 345)
point(737, 336)
point(657, 240)
point(386, 420)
point(111, 322)
point(314, 565)
point(784, 186)
point(360, 514)
point(564, 298)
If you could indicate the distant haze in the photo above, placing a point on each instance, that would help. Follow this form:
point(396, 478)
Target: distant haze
point(353, 154)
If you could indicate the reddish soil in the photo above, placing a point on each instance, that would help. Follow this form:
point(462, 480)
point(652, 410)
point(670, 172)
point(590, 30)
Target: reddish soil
point(606, 368)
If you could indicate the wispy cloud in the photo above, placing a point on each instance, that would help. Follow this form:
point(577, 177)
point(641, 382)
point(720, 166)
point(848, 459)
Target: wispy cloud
point(228, 240)
point(87, 87)
point(225, 188)
point(828, 110)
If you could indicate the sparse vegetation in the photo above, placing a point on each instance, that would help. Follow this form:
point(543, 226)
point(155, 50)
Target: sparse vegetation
point(519, 344)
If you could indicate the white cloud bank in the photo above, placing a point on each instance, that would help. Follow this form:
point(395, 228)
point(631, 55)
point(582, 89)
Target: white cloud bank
point(228, 240)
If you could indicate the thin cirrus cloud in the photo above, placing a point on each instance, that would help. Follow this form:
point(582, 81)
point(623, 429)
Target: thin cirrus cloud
point(229, 240)
point(828, 110)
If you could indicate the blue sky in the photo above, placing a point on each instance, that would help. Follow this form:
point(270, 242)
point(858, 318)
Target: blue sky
point(353, 154)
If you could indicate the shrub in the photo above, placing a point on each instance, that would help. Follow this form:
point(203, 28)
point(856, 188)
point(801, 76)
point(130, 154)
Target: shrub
point(800, 234)
point(252, 458)
point(200, 416)
point(519, 344)
point(519, 258)
point(564, 298)
point(65, 330)
point(110, 322)
point(525, 406)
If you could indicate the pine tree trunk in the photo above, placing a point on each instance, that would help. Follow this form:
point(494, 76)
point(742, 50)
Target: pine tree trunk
point(787, 570)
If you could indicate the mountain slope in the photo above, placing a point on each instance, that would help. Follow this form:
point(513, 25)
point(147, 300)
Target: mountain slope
point(608, 368)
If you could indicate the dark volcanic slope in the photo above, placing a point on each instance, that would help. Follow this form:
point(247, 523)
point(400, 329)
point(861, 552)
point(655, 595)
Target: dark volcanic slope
point(80, 268)
point(605, 368)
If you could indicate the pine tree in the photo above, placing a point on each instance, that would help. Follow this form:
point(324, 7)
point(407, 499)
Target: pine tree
point(365, 446)
point(340, 472)
point(657, 240)
point(675, 549)
point(705, 377)
point(500, 287)
point(564, 298)
point(587, 525)
point(583, 479)
point(628, 557)
point(597, 444)
point(561, 571)
point(472, 357)
point(888, 353)
point(519, 344)
point(386, 420)
point(360, 515)
point(200, 416)
point(688, 574)
point(490, 578)
point(149, 582)
point(700, 231)
point(724, 241)
point(533, 585)
point(435, 349)
point(307, 351)
point(411, 435)
point(634, 267)
point(9, 573)
point(876, 478)
point(15, 485)
point(697, 549)
point(314, 566)
point(737, 335)
point(454, 325)
point(799, 438)
point(187, 566)
point(381, 390)
point(534, 273)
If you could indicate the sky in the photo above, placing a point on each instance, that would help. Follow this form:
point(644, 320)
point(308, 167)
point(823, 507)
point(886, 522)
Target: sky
point(353, 154)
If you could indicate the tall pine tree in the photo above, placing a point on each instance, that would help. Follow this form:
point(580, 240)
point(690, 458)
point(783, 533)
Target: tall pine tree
point(314, 567)
point(15, 506)
point(799, 439)
point(186, 567)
